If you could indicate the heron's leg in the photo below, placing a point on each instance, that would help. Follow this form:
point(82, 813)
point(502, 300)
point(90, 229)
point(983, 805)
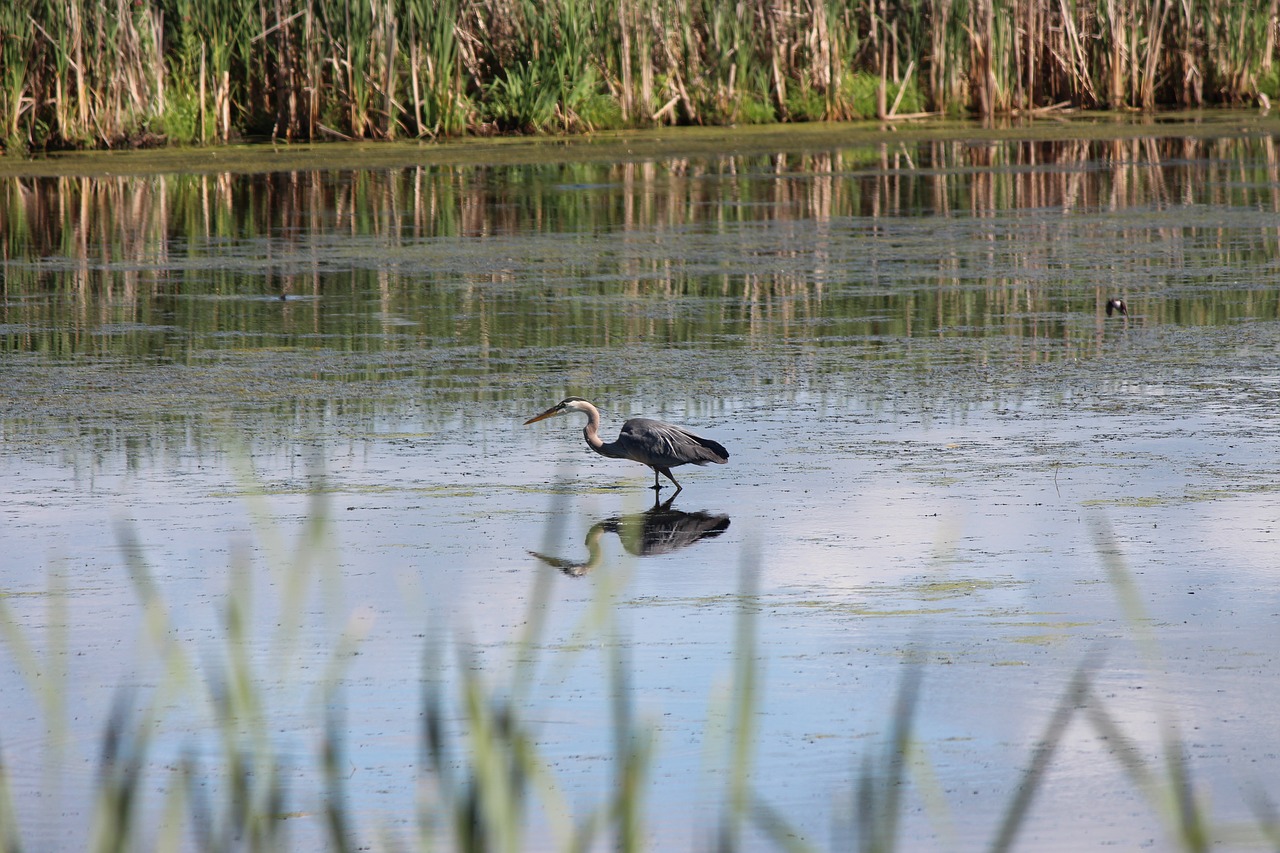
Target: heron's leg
point(666, 472)
point(657, 487)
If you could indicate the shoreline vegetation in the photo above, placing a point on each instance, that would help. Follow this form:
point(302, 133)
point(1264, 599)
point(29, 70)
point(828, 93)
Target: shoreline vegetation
point(150, 73)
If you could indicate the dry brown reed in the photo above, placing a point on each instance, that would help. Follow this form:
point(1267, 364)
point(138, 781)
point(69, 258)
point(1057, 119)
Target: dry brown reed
point(79, 74)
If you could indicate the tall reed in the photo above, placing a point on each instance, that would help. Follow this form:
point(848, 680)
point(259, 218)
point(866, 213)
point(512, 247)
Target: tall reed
point(440, 104)
point(18, 63)
point(84, 74)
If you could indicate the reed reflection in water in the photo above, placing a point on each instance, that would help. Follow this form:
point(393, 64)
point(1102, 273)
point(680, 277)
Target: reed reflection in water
point(824, 245)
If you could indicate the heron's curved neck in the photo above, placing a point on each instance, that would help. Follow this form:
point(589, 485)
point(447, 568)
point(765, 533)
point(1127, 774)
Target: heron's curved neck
point(592, 430)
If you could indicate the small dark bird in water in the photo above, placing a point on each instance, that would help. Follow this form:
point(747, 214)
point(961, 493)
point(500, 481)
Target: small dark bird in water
point(1114, 305)
point(659, 445)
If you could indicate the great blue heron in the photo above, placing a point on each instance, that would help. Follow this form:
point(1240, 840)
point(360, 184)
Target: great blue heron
point(659, 445)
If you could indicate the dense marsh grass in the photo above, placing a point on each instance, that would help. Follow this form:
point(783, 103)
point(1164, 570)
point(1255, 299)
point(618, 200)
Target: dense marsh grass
point(80, 74)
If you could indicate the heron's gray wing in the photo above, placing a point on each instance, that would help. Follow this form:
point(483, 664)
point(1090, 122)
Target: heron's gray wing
point(664, 445)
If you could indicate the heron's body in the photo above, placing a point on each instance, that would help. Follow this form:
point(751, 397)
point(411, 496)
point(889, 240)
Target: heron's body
point(659, 445)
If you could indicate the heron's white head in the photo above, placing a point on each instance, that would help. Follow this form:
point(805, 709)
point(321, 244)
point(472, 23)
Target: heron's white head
point(568, 404)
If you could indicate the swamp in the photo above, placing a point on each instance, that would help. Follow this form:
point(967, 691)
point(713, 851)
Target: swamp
point(989, 567)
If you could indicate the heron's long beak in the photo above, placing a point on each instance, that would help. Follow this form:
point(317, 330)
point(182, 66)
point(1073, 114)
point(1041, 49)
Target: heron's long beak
point(549, 413)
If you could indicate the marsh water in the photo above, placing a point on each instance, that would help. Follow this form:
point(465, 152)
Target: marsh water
point(303, 391)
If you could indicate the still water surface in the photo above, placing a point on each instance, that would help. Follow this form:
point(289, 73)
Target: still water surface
point(942, 448)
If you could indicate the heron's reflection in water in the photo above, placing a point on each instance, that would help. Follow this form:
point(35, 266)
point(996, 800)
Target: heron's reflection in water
point(655, 531)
